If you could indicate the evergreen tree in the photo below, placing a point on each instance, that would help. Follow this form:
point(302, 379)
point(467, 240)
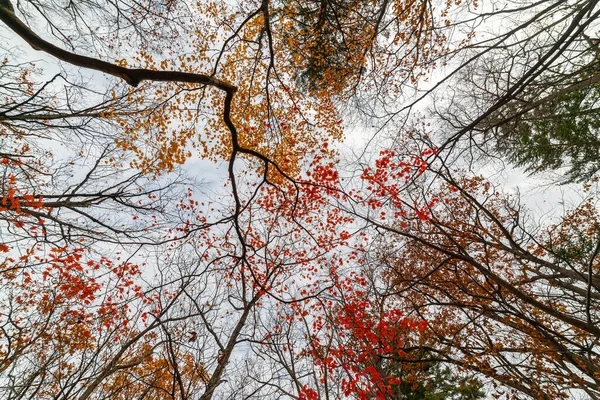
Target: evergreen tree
point(560, 133)
point(431, 380)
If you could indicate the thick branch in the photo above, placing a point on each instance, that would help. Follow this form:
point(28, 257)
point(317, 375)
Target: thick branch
point(132, 76)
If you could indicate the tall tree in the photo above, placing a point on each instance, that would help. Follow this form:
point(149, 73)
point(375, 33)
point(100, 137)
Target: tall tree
point(506, 299)
point(121, 281)
point(527, 90)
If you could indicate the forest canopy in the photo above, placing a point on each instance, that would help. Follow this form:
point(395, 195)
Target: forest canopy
point(299, 199)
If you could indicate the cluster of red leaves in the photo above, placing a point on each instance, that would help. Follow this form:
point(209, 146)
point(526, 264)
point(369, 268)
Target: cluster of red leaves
point(356, 337)
point(387, 180)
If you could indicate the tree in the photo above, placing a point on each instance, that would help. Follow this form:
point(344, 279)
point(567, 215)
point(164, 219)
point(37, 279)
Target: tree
point(76, 321)
point(126, 281)
point(505, 299)
point(366, 345)
point(527, 91)
point(441, 383)
point(237, 260)
point(561, 132)
point(163, 338)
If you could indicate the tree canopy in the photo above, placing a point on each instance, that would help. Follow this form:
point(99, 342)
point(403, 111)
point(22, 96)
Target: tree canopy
point(298, 199)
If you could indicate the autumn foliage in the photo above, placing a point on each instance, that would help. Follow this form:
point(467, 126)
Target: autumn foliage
point(181, 216)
